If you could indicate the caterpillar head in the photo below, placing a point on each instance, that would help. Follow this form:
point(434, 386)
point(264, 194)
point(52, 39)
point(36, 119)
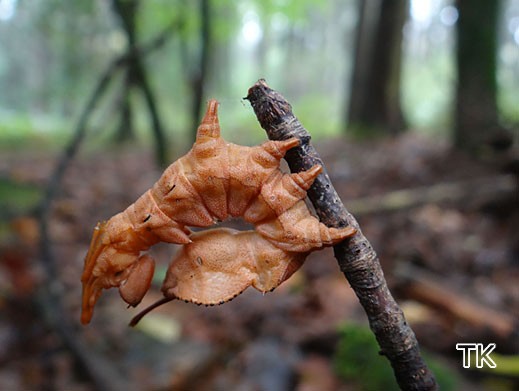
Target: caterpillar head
point(107, 266)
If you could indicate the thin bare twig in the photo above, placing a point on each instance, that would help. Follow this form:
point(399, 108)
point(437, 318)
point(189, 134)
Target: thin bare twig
point(425, 287)
point(80, 129)
point(469, 192)
point(49, 299)
point(136, 74)
point(357, 259)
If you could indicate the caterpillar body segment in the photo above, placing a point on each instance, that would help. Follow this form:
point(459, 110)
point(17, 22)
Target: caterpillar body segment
point(215, 180)
point(220, 263)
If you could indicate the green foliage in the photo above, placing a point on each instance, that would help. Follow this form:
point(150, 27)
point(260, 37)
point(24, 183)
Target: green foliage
point(505, 365)
point(364, 132)
point(49, 48)
point(154, 16)
point(52, 53)
point(226, 21)
point(430, 111)
point(297, 11)
point(19, 130)
point(507, 102)
point(317, 115)
point(16, 197)
point(357, 360)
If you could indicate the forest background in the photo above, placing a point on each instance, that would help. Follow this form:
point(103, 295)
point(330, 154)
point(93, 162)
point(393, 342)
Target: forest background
point(414, 106)
point(53, 52)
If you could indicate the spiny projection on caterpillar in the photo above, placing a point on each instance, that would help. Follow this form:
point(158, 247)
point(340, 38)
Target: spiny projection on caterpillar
point(215, 180)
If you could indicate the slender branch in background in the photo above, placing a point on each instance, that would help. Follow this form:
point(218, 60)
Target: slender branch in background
point(157, 128)
point(425, 287)
point(357, 259)
point(54, 184)
point(72, 147)
point(126, 10)
point(199, 77)
point(49, 300)
point(137, 76)
point(477, 191)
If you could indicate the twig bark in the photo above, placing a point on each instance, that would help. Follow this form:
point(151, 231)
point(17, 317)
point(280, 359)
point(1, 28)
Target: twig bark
point(357, 259)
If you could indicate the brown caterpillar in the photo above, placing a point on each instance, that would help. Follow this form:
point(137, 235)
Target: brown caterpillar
point(213, 181)
point(221, 263)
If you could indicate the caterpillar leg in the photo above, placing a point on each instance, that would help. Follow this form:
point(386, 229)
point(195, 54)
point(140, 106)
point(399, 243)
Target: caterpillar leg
point(273, 265)
point(297, 230)
point(283, 191)
point(280, 193)
point(138, 281)
point(279, 148)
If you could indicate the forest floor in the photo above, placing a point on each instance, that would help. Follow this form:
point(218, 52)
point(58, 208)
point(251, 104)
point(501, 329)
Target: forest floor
point(449, 247)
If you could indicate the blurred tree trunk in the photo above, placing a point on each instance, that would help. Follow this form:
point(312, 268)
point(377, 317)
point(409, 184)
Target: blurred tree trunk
point(127, 11)
point(375, 86)
point(125, 128)
point(136, 76)
point(199, 76)
point(476, 108)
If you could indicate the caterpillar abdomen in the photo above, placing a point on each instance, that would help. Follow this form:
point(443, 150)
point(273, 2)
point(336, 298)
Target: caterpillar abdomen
point(214, 181)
